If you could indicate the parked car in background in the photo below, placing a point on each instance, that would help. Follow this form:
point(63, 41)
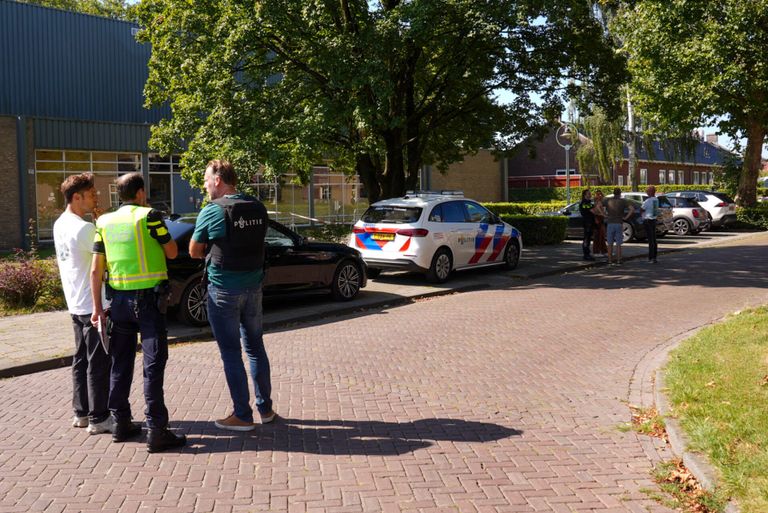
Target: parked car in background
point(293, 263)
point(434, 233)
point(689, 217)
point(664, 220)
point(633, 229)
point(720, 208)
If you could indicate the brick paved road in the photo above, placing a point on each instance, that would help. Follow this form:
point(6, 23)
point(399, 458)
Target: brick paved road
point(496, 400)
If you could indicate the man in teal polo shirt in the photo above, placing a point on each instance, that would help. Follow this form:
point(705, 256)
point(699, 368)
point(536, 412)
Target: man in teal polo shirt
point(230, 230)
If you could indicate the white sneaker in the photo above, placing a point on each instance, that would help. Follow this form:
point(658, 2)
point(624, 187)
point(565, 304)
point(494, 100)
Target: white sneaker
point(79, 422)
point(105, 426)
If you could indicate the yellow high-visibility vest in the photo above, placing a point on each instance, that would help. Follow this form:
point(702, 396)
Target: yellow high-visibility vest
point(135, 260)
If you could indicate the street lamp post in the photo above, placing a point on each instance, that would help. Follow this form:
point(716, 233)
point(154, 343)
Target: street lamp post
point(565, 132)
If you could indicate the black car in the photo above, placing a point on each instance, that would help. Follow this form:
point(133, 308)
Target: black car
point(293, 263)
point(633, 229)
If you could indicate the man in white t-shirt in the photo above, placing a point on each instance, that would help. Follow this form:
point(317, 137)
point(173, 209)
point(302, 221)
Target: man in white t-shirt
point(73, 237)
point(650, 211)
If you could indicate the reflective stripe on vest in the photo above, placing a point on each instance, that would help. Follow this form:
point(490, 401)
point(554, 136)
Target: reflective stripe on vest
point(134, 259)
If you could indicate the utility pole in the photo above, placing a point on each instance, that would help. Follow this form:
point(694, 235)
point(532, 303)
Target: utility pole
point(631, 146)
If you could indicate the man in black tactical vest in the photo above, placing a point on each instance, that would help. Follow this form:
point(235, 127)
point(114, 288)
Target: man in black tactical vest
point(231, 230)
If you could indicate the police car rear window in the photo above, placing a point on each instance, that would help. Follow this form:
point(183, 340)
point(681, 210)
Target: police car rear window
point(391, 214)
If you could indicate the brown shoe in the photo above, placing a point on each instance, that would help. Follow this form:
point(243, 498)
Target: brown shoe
point(268, 417)
point(232, 423)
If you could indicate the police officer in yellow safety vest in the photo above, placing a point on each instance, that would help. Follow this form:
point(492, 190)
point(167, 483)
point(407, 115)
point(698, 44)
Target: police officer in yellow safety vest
point(131, 244)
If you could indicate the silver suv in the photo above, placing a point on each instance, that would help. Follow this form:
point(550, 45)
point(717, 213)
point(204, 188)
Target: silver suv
point(665, 219)
point(721, 209)
point(689, 217)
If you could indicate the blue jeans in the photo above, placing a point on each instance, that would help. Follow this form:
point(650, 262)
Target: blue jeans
point(235, 317)
point(135, 311)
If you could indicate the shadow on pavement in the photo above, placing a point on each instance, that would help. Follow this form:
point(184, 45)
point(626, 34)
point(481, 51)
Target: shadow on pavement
point(340, 437)
point(718, 267)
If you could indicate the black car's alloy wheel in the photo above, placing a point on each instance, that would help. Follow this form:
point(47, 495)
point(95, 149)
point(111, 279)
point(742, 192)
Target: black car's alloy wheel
point(346, 281)
point(193, 309)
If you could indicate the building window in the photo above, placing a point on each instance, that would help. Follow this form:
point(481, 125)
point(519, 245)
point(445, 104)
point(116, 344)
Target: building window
point(696, 178)
point(161, 171)
point(643, 176)
point(621, 180)
point(711, 178)
point(671, 176)
point(53, 166)
point(680, 176)
point(662, 176)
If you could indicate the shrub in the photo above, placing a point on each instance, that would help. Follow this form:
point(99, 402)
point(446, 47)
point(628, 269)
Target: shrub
point(51, 295)
point(327, 232)
point(754, 217)
point(538, 231)
point(21, 282)
point(531, 208)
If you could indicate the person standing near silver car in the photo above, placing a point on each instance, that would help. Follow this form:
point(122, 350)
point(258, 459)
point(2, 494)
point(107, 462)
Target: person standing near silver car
point(650, 211)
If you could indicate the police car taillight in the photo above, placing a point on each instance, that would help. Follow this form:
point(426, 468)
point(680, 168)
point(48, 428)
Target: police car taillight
point(358, 230)
point(413, 232)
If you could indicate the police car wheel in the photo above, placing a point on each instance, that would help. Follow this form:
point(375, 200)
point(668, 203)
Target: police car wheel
point(441, 266)
point(511, 256)
point(346, 281)
point(193, 309)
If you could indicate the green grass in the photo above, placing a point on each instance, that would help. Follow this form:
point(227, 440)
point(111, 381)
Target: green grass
point(718, 387)
point(679, 490)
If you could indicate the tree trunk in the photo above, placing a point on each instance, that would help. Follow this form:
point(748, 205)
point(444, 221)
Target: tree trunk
point(747, 194)
point(393, 184)
point(368, 174)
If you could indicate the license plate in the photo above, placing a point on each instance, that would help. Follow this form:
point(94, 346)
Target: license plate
point(383, 236)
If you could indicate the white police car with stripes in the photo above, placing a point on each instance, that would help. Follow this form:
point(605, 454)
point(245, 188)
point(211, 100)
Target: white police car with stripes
point(434, 233)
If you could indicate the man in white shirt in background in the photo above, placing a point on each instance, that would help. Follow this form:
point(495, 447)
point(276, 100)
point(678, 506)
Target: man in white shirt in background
point(650, 211)
point(73, 237)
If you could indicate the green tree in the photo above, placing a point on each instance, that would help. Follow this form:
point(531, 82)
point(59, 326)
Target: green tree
point(700, 63)
point(118, 9)
point(377, 88)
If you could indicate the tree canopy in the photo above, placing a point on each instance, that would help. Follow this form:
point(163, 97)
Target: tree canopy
point(699, 63)
point(109, 8)
point(378, 88)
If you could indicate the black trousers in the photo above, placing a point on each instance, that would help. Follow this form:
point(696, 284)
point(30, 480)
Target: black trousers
point(650, 233)
point(589, 228)
point(133, 312)
point(90, 372)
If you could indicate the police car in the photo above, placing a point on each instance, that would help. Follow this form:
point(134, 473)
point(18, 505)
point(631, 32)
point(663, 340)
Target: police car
point(433, 233)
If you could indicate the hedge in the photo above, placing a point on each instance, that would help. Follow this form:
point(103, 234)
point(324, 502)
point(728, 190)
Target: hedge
point(538, 230)
point(529, 208)
point(754, 217)
point(542, 194)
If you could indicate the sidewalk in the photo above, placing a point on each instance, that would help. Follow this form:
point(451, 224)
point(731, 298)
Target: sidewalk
point(36, 342)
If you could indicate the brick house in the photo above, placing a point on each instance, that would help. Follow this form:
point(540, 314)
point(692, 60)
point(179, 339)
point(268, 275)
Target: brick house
point(536, 163)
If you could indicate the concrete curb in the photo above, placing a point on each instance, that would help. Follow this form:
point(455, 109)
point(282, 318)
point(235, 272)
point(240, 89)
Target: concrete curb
point(697, 463)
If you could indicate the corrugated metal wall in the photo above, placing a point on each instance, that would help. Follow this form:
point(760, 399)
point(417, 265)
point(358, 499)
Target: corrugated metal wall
point(61, 64)
point(92, 136)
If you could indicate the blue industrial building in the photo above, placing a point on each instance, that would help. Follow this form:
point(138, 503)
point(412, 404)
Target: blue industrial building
point(71, 100)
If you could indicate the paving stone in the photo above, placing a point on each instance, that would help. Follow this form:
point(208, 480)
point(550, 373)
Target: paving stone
point(503, 399)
